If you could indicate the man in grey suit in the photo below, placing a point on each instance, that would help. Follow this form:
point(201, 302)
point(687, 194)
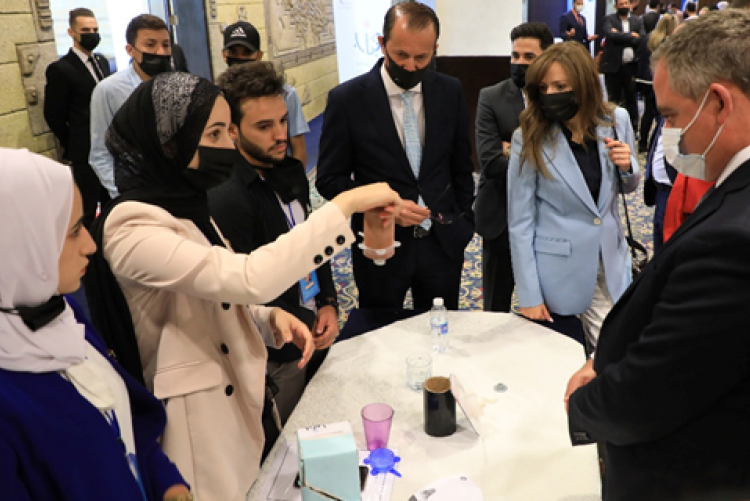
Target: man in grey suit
point(497, 117)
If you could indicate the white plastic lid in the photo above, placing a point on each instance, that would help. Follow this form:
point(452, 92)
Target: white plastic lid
point(438, 301)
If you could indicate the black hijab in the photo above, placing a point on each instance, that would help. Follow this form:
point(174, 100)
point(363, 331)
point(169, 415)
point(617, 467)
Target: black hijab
point(152, 139)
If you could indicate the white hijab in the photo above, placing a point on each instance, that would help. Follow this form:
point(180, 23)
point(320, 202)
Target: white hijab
point(36, 200)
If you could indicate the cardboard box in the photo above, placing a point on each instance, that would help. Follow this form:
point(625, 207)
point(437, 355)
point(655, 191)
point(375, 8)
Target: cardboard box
point(328, 463)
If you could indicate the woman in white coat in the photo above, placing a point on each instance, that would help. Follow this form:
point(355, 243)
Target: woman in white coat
point(567, 244)
point(186, 294)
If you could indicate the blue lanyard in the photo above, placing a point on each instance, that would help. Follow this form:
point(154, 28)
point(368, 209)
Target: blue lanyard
point(290, 217)
point(130, 457)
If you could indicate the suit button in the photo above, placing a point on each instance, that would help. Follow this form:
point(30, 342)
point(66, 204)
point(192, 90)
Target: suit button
point(340, 239)
point(597, 221)
point(224, 349)
point(329, 250)
point(318, 259)
point(229, 390)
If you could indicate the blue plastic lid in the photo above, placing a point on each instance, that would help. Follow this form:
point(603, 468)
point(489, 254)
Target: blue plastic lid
point(382, 461)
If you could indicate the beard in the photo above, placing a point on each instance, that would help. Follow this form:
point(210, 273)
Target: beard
point(257, 153)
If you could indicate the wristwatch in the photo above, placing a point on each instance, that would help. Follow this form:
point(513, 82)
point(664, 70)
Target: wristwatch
point(327, 301)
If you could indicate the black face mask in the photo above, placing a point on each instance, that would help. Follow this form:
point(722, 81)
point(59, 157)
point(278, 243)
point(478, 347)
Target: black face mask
point(623, 11)
point(518, 74)
point(215, 165)
point(90, 41)
point(287, 179)
point(402, 77)
point(559, 107)
point(153, 64)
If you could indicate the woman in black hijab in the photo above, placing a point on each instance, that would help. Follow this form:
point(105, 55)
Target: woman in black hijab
point(185, 295)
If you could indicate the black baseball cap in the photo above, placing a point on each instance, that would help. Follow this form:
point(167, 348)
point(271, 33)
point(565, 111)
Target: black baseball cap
point(242, 33)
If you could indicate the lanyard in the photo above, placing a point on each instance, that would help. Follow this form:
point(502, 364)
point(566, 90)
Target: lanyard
point(289, 217)
point(130, 457)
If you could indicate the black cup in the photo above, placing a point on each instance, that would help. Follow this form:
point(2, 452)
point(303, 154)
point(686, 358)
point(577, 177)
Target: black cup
point(439, 407)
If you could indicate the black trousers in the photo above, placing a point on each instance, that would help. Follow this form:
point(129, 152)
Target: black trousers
point(497, 273)
point(92, 191)
point(621, 90)
point(423, 266)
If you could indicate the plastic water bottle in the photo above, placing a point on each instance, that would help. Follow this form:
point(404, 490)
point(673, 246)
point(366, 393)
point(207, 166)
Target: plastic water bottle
point(439, 326)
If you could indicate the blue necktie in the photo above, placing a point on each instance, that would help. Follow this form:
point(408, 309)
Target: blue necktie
point(412, 143)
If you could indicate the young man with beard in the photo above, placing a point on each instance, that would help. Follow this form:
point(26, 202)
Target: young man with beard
point(267, 195)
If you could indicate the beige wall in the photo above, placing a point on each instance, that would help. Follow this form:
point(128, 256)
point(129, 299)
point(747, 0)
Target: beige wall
point(312, 80)
point(19, 30)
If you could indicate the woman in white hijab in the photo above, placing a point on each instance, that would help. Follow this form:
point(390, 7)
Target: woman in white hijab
point(73, 425)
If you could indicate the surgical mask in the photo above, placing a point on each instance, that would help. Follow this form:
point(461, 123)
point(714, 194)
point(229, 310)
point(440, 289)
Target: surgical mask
point(688, 164)
point(89, 41)
point(215, 165)
point(623, 11)
point(518, 74)
point(559, 107)
point(402, 77)
point(154, 64)
point(579, 8)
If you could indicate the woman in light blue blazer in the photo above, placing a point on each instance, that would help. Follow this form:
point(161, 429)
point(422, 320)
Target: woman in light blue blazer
point(567, 243)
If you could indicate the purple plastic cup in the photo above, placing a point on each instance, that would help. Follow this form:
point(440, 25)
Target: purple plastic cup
point(377, 419)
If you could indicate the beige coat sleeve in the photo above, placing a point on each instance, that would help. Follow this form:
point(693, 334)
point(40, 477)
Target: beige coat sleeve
point(147, 247)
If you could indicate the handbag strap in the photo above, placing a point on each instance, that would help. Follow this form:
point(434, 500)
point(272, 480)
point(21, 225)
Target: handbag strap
point(631, 240)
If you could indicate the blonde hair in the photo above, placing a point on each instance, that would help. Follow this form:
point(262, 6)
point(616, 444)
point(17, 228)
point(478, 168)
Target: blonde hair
point(664, 28)
point(583, 77)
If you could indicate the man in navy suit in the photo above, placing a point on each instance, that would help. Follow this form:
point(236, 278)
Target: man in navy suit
point(573, 25)
point(409, 126)
point(669, 389)
point(70, 82)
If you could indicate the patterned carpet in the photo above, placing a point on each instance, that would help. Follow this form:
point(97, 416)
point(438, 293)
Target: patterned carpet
point(471, 280)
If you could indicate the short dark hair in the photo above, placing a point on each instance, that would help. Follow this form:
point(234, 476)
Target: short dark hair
point(249, 80)
point(79, 12)
point(690, 7)
point(652, 4)
point(540, 31)
point(143, 22)
point(419, 17)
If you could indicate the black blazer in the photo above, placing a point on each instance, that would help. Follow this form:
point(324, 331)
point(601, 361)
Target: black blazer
point(498, 110)
point(672, 395)
point(617, 41)
point(249, 216)
point(360, 145)
point(568, 21)
point(650, 20)
point(67, 97)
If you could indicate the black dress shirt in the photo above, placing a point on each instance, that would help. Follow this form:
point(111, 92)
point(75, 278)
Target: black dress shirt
point(587, 156)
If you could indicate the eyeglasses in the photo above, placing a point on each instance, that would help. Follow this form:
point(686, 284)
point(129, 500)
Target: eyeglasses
point(439, 217)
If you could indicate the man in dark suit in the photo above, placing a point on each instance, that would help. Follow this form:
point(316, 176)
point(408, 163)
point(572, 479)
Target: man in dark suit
point(418, 142)
point(651, 17)
point(619, 61)
point(669, 389)
point(70, 82)
point(497, 117)
point(573, 25)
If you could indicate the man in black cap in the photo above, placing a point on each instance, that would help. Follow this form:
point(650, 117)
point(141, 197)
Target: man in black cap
point(242, 44)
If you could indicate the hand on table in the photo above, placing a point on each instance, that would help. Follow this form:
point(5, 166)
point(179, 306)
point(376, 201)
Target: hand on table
point(326, 327)
point(582, 377)
point(412, 214)
point(292, 330)
point(538, 312)
point(619, 153)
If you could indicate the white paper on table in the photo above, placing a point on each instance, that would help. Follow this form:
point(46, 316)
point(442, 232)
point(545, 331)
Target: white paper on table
point(279, 485)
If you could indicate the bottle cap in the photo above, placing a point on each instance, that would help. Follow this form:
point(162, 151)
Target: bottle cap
point(438, 301)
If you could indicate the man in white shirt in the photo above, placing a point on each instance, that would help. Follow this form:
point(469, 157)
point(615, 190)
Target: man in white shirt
point(150, 50)
point(67, 96)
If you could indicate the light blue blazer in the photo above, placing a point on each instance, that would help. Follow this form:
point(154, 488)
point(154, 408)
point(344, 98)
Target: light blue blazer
point(558, 232)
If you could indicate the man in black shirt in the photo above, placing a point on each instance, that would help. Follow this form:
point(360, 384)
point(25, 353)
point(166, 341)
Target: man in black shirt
point(267, 195)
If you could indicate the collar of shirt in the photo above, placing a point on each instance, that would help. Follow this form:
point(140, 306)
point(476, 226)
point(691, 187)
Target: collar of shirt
point(78, 52)
point(736, 161)
point(390, 86)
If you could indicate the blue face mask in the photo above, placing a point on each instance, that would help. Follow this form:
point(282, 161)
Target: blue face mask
point(687, 164)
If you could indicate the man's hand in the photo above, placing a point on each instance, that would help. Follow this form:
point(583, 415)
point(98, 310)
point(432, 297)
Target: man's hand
point(635, 34)
point(326, 327)
point(593, 37)
point(538, 312)
point(412, 214)
point(177, 491)
point(571, 32)
point(292, 330)
point(506, 149)
point(581, 378)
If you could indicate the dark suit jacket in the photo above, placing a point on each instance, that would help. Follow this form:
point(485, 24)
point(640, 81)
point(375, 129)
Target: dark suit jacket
point(497, 117)
point(672, 395)
point(568, 21)
point(617, 41)
point(67, 97)
point(650, 20)
point(359, 137)
point(249, 216)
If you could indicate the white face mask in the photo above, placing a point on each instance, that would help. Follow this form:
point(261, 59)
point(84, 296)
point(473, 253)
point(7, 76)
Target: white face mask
point(687, 164)
point(579, 8)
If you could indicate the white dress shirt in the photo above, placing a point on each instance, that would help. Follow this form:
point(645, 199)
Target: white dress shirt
point(627, 53)
point(78, 52)
point(738, 159)
point(397, 104)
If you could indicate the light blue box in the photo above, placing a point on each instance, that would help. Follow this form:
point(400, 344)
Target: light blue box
point(328, 463)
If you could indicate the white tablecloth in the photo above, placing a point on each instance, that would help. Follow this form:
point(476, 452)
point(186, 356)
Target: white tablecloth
point(523, 453)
